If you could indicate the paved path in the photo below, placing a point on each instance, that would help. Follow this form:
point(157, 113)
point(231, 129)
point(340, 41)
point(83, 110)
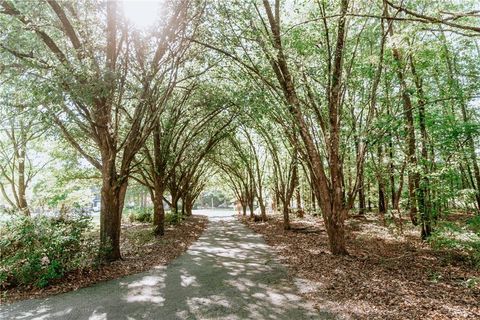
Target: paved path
point(229, 273)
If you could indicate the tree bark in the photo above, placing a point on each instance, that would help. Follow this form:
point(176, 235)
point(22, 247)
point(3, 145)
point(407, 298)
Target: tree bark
point(158, 210)
point(251, 207)
point(189, 206)
point(183, 207)
point(22, 187)
point(113, 197)
point(336, 234)
point(369, 200)
point(175, 205)
point(314, 204)
point(286, 216)
point(382, 205)
point(298, 195)
point(263, 210)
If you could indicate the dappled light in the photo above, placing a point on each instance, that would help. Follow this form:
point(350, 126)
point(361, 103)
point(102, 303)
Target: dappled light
point(145, 290)
point(246, 159)
point(229, 273)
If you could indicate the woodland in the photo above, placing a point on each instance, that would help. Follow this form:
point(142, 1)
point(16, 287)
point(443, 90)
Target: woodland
point(344, 131)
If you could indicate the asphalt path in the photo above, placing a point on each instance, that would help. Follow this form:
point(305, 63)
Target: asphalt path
point(229, 273)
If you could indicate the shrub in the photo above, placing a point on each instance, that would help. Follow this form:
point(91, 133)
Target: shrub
point(172, 218)
point(146, 216)
point(450, 236)
point(141, 215)
point(474, 224)
point(37, 250)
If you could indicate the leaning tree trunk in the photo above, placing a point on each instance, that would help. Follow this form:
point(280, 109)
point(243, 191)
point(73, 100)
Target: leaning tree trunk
point(113, 197)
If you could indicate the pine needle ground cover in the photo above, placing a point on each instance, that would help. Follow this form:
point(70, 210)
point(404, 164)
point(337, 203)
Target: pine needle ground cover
point(141, 251)
point(387, 275)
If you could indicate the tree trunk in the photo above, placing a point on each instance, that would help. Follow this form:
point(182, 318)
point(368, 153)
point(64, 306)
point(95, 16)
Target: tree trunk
point(183, 207)
point(330, 196)
point(275, 203)
point(259, 184)
point(22, 187)
point(175, 206)
point(413, 177)
point(113, 197)
point(369, 200)
point(382, 206)
point(360, 175)
point(263, 210)
point(423, 190)
point(361, 193)
point(251, 207)
point(286, 216)
point(298, 195)
point(189, 202)
point(314, 204)
point(336, 231)
point(158, 210)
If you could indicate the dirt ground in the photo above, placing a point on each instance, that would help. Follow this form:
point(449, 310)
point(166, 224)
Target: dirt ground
point(387, 275)
point(140, 252)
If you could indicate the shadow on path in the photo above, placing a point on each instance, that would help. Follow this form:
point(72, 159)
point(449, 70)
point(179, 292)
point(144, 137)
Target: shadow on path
point(229, 273)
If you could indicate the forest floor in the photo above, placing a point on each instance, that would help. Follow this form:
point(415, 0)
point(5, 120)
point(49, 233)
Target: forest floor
point(387, 275)
point(228, 273)
point(141, 251)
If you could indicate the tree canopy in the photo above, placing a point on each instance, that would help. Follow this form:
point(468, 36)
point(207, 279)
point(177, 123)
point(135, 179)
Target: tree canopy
point(330, 107)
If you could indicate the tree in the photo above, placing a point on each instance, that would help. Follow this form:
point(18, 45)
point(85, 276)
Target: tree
point(17, 168)
point(103, 106)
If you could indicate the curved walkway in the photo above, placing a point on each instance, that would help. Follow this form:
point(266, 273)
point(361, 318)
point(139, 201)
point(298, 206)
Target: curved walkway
point(229, 273)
